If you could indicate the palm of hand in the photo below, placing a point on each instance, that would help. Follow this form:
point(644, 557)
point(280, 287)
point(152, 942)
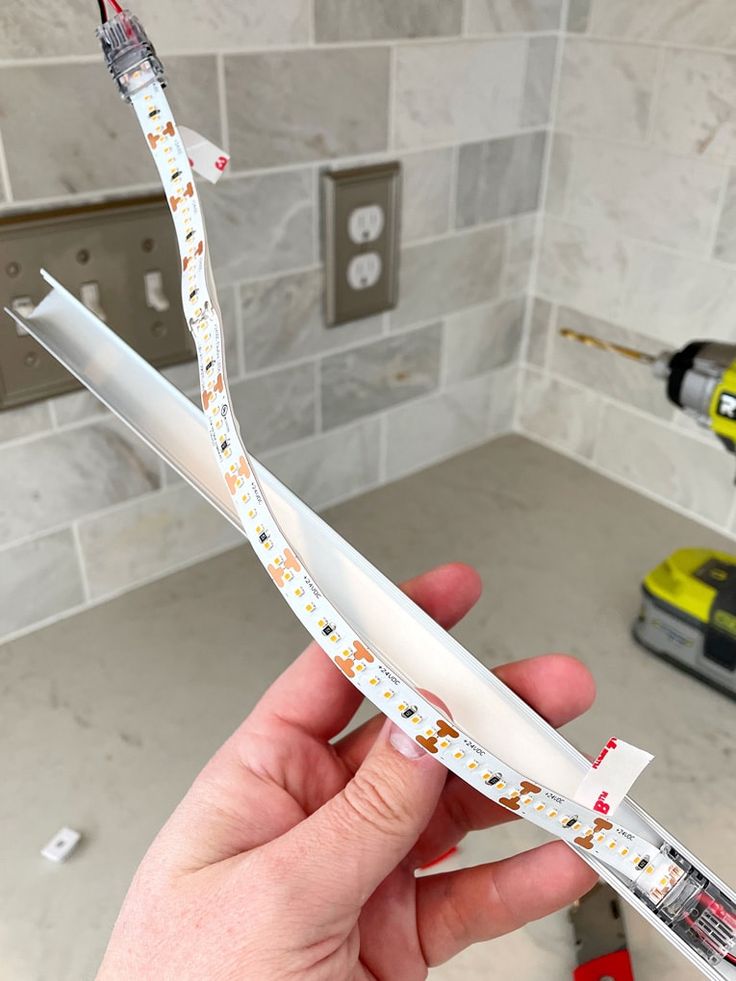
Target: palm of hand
point(293, 856)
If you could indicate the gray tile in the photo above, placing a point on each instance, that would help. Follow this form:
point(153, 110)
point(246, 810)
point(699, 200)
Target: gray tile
point(283, 321)
point(725, 247)
point(370, 20)
point(667, 462)
point(605, 88)
point(276, 408)
point(38, 580)
point(25, 421)
point(54, 479)
point(561, 414)
point(425, 193)
point(539, 327)
point(378, 375)
point(605, 373)
point(482, 338)
point(500, 16)
point(431, 429)
point(330, 468)
point(540, 70)
point(456, 92)
point(447, 275)
point(260, 225)
point(150, 537)
point(28, 32)
point(521, 237)
point(80, 136)
point(306, 105)
point(578, 14)
point(499, 178)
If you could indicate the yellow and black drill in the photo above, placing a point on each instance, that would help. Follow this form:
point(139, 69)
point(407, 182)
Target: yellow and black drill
point(688, 608)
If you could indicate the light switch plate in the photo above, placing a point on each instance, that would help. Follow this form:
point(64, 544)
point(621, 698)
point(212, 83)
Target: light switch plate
point(362, 206)
point(103, 253)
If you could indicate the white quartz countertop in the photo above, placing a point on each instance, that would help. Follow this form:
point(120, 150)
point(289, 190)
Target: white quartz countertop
point(107, 716)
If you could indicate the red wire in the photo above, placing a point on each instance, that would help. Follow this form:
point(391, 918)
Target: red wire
point(116, 5)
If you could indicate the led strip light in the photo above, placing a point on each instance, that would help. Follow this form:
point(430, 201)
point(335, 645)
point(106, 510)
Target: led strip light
point(684, 896)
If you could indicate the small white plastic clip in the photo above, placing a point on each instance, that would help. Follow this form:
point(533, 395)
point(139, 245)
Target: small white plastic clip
point(61, 845)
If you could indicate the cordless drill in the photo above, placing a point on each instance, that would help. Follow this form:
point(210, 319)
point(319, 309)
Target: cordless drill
point(700, 379)
point(688, 607)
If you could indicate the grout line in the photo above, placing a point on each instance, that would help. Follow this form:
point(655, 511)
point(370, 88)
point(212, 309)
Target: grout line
point(5, 185)
point(383, 448)
point(81, 561)
point(222, 102)
point(318, 396)
point(654, 103)
point(722, 192)
point(393, 55)
point(452, 202)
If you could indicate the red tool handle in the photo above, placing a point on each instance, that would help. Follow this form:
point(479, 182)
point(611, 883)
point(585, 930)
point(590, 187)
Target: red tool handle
point(616, 966)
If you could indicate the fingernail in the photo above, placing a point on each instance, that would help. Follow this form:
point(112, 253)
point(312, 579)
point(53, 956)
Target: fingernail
point(404, 744)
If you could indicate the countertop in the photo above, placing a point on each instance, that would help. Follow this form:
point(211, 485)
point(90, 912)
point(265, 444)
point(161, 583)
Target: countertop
point(106, 717)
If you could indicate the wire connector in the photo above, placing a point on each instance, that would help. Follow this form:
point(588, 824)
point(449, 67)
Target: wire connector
point(129, 55)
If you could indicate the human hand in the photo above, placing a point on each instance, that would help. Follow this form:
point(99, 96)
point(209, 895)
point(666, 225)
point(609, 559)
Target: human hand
point(294, 857)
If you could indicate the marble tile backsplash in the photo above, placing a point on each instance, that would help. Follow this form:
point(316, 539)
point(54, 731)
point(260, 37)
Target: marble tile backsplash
point(290, 87)
point(638, 241)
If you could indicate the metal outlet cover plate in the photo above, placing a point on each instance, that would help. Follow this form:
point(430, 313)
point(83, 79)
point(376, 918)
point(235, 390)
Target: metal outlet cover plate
point(343, 192)
point(113, 245)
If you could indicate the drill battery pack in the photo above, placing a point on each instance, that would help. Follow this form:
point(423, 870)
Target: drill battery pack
point(688, 614)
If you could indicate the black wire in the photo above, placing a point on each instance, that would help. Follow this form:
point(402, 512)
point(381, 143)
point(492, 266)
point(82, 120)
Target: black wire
point(103, 11)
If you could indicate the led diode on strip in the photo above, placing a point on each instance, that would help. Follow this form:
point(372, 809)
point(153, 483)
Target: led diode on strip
point(667, 885)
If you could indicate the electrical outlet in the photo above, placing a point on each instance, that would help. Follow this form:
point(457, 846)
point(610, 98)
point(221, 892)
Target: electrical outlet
point(361, 236)
point(120, 259)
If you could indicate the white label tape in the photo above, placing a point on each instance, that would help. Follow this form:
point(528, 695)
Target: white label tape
point(611, 775)
point(208, 160)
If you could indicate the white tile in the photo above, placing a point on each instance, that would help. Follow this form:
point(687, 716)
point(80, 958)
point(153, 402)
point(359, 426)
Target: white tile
point(502, 384)
point(695, 106)
point(330, 468)
point(559, 413)
point(54, 479)
point(710, 22)
point(27, 31)
point(666, 462)
point(370, 20)
point(643, 192)
point(676, 299)
point(605, 89)
point(425, 193)
point(521, 237)
point(425, 431)
point(538, 87)
point(38, 579)
point(480, 94)
point(25, 421)
point(583, 267)
point(150, 537)
point(276, 408)
point(482, 338)
point(260, 225)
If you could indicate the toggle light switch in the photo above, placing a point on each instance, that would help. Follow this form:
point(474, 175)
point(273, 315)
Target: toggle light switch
point(89, 294)
point(25, 306)
point(156, 299)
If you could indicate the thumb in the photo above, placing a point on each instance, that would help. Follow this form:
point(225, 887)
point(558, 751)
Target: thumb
point(352, 843)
